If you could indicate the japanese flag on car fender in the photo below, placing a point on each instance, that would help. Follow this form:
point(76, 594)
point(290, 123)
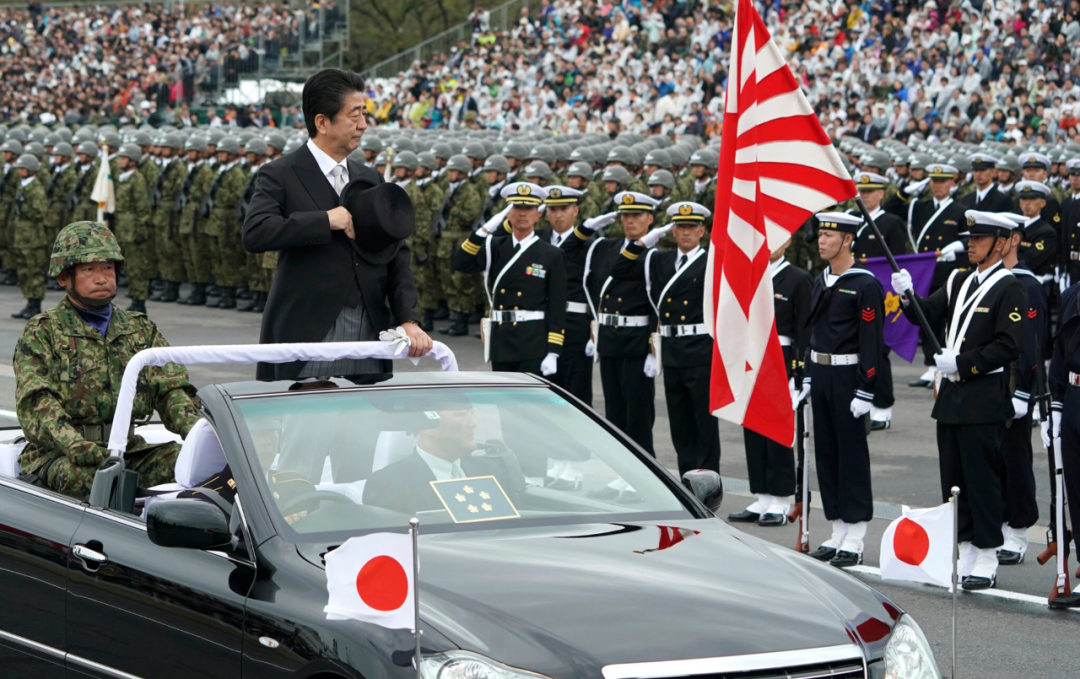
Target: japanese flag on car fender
point(919, 546)
point(370, 578)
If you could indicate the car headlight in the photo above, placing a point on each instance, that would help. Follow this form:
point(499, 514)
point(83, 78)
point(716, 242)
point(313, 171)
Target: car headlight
point(468, 665)
point(907, 654)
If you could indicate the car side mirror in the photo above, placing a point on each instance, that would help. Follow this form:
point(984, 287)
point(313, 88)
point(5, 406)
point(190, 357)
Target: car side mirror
point(190, 523)
point(706, 486)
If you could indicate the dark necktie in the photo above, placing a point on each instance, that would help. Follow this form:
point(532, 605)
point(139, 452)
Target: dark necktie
point(517, 246)
point(682, 262)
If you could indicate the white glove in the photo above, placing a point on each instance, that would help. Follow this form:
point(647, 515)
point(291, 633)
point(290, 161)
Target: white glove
point(946, 360)
point(797, 397)
point(650, 366)
point(599, 222)
point(901, 282)
point(397, 337)
point(859, 407)
point(1020, 406)
point(650, 239)
point(949, 252)
point(590, 348)
point(1044, 428)
point(1047, 277)
point(917, 187)
point(1064, 282)
point(550, 365)
point(495, 223)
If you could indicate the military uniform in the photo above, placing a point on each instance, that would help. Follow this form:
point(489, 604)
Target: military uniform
point(461, 208)
point(31, 237)
point(1070, 236)
point(85, 208)
point(223, 228)
point(259, 278)
point(1039, 248)
point(428, 288)
point(193, 240)
point(166, 222)
point(64, 180)
point(1064, 382)
point(130, 222)
point(9, 187)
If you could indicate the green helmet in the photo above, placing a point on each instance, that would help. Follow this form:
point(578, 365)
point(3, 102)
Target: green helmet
point(52, 140)
point(497, 163)
point(17, 134)
point(257, 146)
point(582, 153)
point(173, 141)
point(428, 160)
point(38, 134)
point(36, 148)
point(88, 148)
point(659, 158)
point(705, 157)
point(543, 153)
point(130, 151)
point(460, 163)
point(617, 174)
point(142, 138)
point(110, 139)
point(622, 154)
point(277, 140)
point(405, 159)
point(475, 150)
point(83, 243)
point(63, 149)
point(403, 144)
point(230, 145)
point(516, 150)
point(442, 151)
point(195, 143)
point(11, 146)
point(580, 169)
point(28, 161)
point(538, 169)
point(662, 178)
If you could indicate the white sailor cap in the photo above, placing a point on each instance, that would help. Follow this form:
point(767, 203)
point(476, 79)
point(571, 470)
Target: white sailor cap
point(941, 171)
point(523, 193)
point(839, 221)
point(632, 201)
point(688, 212)
point(1034, 160)
point(1074, 165)
point(983, 161)
point(870, 181)
point(988, 223)
point(561, 195)
point(1031, 189)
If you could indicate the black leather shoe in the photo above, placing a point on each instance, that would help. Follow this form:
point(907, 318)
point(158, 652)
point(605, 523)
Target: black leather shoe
point(562, 484)
point(772, 520)
point(920, 383)
point(605, 493)
point(745, 516)
point(845, 559)
point(880, 425)
point(1009, 558)
point(458, 326)
point(823, 553)
point(972, 583)
point(1063, 602)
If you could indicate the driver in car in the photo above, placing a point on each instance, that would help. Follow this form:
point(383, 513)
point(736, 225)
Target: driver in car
point(68, 366)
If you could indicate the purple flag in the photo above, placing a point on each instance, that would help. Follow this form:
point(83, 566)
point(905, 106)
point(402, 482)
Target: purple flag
point(901, 335)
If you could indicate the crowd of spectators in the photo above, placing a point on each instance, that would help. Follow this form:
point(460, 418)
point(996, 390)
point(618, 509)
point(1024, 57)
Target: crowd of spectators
point(971, 70)
point(133, 63)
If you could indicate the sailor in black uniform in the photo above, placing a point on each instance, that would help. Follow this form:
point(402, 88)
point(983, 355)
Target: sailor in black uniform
point(847, 309)
point(1039, 247)
point(525, 281)
point(770, 466)
point(986, 197)
point(1021, 508)
point(936, 224)
point(982, 313)
point(675, 282)
point(1036, 168)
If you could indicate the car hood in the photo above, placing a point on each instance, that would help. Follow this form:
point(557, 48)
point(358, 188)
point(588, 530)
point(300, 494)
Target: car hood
point(565, 601)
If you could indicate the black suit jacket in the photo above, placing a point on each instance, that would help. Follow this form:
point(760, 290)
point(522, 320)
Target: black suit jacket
point(319, 270)
point(577, 324)
point(994, 201)
point(942, 231)
point(403, 487)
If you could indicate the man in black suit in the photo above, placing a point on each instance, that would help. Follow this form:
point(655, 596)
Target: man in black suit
point(329, 286)
point(986, 197)
point(982, 313)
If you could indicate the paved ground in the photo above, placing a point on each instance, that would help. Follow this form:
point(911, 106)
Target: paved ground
point(997, 636)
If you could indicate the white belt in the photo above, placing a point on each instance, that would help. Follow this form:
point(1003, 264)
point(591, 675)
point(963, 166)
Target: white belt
point(516, 316)
point(690, 330)
point(834, 359)
point(955, 377)
point(785, 341)
point(624, 321)
point(577, 307)
point(1074, 379)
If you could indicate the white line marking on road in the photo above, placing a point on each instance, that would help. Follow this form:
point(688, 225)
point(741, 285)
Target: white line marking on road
point(10, 414)
point(6, 371)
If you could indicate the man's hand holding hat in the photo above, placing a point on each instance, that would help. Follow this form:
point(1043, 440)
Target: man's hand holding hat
point(341, 220)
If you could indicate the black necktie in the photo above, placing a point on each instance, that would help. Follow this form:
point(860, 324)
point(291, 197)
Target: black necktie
point(517, 246)
point(682, 262)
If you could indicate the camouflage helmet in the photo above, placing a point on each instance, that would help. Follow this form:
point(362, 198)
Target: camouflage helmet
point(580, 169)
point(497, 163)
point(542, 152)
point(427, 160)
point(442, 151)
point(405, 159)
point(538, 169)
point(257, 146)
point(131, 152)
point(28, 161)
point(63, 149)
point(195, 142)
point(87, 148)
point(617, 174)
point(230, 145)
point(370, 142)
point(662, 178)
point(36, 148)
point(705, 157)
point(460, 163)
point(658, 158)
point(11, 146)
point(83, 243)
point(475, 150)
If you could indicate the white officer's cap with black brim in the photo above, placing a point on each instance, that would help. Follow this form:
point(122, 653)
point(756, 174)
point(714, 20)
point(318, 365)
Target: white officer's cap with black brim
point(982, 161)
point(1033, 159)
point(839, 221)
point(524, 193)
point(988, 224)
point(1032, 189)
point(558, 196)
point(868, 181)
point(688, 213)
point(941, 171)
point(632, 201)
point(1074, 165)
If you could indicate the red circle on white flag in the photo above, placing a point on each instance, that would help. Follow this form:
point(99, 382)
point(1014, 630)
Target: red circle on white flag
point(910, 542)
point(382, 584)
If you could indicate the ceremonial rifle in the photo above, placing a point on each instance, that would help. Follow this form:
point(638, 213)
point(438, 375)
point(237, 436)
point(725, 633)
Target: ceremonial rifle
point(801, 510)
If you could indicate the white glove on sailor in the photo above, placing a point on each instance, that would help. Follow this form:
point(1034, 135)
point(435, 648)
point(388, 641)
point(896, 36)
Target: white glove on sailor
point(1044, 428)
point(950, 251)
point(1064, 281)
point(917, 187)
point(590, 348)
point(650, 239)
point(859, 407)
point(946, 360)
point(901, 282)
point(650, 366)
point(797, 397)
point(495, 223)
point(599, 222)
point(397, 337)
point(550, 365)
point(1020, 406)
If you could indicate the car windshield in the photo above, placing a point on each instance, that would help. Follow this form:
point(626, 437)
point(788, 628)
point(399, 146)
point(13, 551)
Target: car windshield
point(455, 457)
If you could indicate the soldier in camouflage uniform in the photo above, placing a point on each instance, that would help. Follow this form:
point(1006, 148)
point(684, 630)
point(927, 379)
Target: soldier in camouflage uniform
point(131, 223)
point(661, 183)
point(222, 225)
point(165, 221)
point(65, 177)
point(579, 177)
point(626, 158)
point(615, 179)
point(83, 207)
point(406, 168)
point(31, 240)
point(460, 210)
point(193, 242)
point(9, 186)
point(430, 295)
point(259, 277)
point(69, 363)
point(496, 170)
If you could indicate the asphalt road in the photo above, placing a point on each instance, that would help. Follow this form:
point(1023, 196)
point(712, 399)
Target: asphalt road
point(1008, 634)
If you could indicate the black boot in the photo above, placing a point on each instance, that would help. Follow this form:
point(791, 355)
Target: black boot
point(243, 292)
point(32, 308)
point(137, 306)
point(228, 298)
point(427, 323)
point(442, 312)
point(11, 278)
point(459, 325)
point(172, 292)
point(158, 294)
point(197, 296)
point(260, 302)
point(250, 305)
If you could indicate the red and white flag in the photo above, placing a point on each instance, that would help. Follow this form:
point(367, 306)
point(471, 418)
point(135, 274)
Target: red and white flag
point(370, 578)
point(919, 546)
point(777, 168)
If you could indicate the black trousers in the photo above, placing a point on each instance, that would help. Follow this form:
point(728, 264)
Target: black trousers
point(970, 458)
point(694, 431)
point(629, 398)
point(531, 366)
point(1018, 482)
point(883, 385)
point(840, 449)
point(1070, 458)
point(575, 374)
point(770, 466)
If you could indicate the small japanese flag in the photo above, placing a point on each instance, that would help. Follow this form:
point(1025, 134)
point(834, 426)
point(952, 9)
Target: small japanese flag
point(370, 578)
point(919, 546)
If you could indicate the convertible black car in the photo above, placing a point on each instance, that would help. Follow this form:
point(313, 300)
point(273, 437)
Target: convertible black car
point(617, 572)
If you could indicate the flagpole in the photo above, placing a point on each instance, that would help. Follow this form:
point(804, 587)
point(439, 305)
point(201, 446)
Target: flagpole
point(954, 500)
point(414, 526)
point(929, 334)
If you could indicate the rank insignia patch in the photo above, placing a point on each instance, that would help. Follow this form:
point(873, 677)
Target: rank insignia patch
point(478, 498)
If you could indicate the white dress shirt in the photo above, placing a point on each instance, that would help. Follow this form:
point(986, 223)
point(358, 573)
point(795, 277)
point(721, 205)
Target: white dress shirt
point(442, 469)
point(326, 163)
point(557, 238)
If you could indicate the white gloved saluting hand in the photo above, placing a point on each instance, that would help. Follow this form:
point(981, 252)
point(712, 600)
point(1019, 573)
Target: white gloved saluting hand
point(495, 223)
point(599, 222)
point(650, 239)
point(901, 282)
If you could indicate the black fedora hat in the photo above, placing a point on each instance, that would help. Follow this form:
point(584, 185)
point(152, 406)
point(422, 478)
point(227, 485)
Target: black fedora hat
point(383, 217)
